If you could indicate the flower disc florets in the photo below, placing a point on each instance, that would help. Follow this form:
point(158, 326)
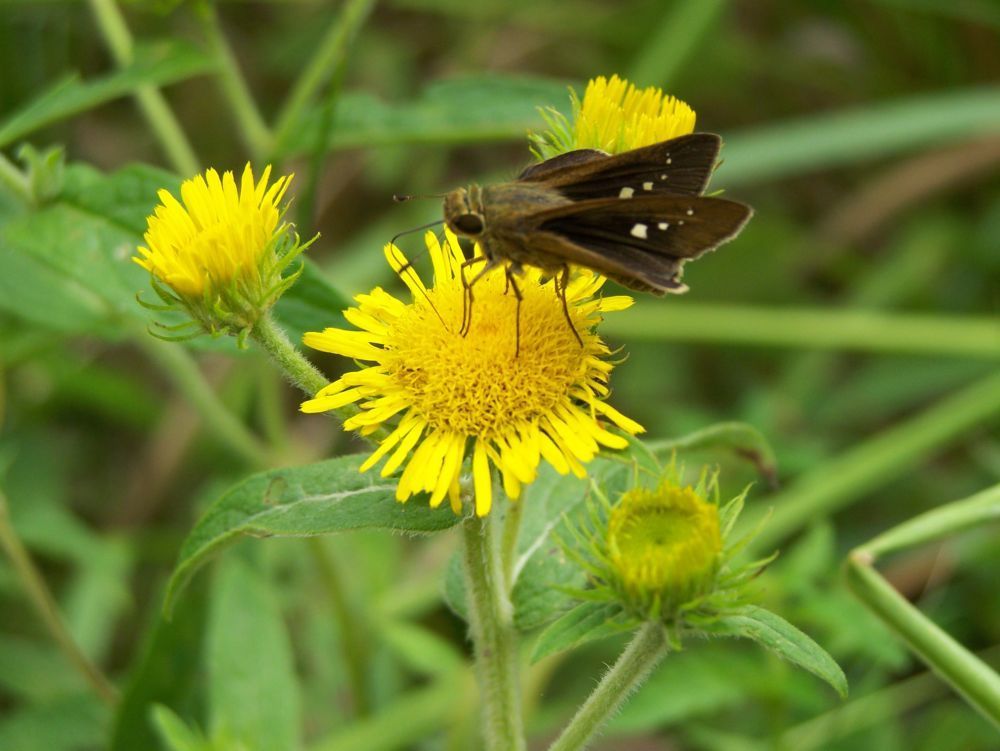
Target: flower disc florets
point(664, 547)
point(219, 252)
point(518, 392)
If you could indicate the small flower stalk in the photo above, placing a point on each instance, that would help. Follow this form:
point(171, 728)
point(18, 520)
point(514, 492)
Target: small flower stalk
point(220, 254)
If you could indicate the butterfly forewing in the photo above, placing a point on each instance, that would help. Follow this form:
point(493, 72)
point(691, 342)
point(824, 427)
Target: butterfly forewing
point(680, 166)
point(645, 239)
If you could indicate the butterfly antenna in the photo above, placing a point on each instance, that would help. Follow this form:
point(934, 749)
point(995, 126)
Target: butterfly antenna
point(403, 198)
point(407, 267)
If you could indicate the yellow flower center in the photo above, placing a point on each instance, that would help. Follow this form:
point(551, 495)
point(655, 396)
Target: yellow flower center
point(664, 543)
point(481, 383)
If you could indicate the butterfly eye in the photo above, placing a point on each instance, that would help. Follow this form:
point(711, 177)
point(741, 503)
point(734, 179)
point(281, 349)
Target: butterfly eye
point(469, 224)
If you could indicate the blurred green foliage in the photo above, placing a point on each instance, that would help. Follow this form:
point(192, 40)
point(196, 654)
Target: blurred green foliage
point(866, 134)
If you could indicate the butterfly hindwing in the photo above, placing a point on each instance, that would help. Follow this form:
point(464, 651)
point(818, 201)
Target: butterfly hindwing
point(680, 166)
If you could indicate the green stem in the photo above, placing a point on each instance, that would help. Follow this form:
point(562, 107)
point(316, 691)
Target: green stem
point(48, 610)
point(491, 622)
point(327, 58)
point(152, 103)
point(864, 330)
point(254, 131)
point(846, 478)
point(978, 684)
point(184, 372)
point(352, 639)
point(643, 653)
point(15, 181)
point(290, 361)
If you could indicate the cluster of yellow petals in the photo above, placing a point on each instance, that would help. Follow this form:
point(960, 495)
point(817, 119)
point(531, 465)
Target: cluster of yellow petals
point(216, 234)
point(616, 116)
point(664, 544)
point(509, 400)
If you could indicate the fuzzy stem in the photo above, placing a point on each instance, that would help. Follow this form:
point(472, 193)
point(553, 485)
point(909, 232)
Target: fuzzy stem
point(152, 103)
point(48, 610)
point(254, 131)
point(290, 361)
point(644, 652)
point(491, 622)
point(508, 545)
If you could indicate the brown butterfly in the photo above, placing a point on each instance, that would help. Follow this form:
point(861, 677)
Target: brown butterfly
point(635, 217)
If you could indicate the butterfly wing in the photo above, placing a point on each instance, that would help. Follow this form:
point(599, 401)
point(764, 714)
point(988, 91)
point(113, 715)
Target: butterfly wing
point(642, 242)
point(680, 166)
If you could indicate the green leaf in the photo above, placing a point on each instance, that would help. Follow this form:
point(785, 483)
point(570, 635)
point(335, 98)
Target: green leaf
point(71, 723)
point(421, 650)
point(783, 639)
point(175, 732)
point(166, 672)
point(154, 65)
point(253, 690)
point(586, 622)
point(323, 498)
point(482, 108)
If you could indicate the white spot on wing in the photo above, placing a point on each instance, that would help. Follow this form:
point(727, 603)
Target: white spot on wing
point(663, 176)
point(690, 212)
point(663, 225)
point(647, 186)
point(639, 230)
point(626, 193)
point(669, 160)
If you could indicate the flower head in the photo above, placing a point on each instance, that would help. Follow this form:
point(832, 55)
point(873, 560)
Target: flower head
point(664, 546)
point(614, 116)
point(663, 552)
point(219, 252)
point(507, 394)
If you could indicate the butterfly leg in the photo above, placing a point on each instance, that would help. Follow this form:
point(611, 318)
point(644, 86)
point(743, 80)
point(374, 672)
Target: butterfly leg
point(407, 267)
point(562, 282)
point(467, 289)
point(511, 283)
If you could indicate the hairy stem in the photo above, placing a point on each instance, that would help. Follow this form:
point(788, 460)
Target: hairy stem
point(289, 360)
point(643, 653)
point(491, 622)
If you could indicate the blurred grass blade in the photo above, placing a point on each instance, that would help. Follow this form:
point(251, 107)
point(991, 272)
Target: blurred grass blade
point(865, 133)
point(684, 26)
point(809, 328)
point(154, 65)
point(978, 684)
point(858, 471)
point(471, 109)
point(253, 691)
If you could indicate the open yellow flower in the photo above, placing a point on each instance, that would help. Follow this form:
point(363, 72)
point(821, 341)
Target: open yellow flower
point(458, 395)
point(614, 116)
point(220, 251)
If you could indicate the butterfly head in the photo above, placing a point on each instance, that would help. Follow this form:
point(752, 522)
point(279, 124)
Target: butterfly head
point(463, 211)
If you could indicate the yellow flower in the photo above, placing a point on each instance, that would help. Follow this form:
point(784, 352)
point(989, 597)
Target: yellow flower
point(615, 116)
point(221, 249)
point(458, 395)
point(664, 546)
